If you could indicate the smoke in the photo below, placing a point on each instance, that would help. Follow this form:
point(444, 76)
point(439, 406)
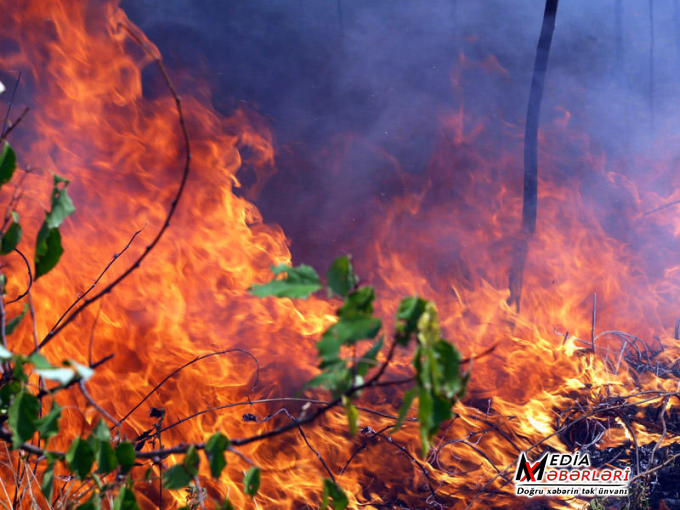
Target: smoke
point(356, 91)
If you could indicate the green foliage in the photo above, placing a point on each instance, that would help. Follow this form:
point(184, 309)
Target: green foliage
point(409, 312)
point(348, 352)
point(62, 205)
point(226, 505)
point(31, 414)
point(48, 426)
point(439, 383)
point(251, 481)
point(22, 416)
point(125, 454)
point(334, 496)
point(180, 475)
point(352, 415)
point(341, 277)
point(125, 500)
point(100, 440)
point(301, 282)
point(214, 449)
point(48, 248)
point(8, 163)
point(14, 322)
point(80, 458)
point(47, 482)
point(94, 503)
point(12, 236)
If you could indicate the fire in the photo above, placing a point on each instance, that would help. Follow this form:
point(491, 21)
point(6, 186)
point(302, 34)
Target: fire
point(449, 238)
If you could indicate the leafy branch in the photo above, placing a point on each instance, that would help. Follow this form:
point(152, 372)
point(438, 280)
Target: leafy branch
point(351, 353)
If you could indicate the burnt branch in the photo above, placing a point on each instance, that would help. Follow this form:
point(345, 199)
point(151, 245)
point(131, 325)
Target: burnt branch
point(94, 284)
point(187, 364)
point(3, 133)
point(530, 203)
point(30, 278)
point(173, 205)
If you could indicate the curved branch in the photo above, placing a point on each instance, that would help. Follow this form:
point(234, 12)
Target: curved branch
point(188, 363)
point(94, 284)
point(173, 204)
point(30, 279)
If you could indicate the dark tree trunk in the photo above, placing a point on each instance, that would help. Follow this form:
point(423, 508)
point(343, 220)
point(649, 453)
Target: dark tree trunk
point(530, 204)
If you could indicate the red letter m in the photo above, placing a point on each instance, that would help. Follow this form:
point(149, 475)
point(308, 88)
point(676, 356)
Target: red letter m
point(526, 471)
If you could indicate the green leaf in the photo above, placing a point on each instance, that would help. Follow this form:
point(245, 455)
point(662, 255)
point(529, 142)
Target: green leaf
point(177, 477)
point(125, 453)
point(22, 417)
point(19, 373)
point(409, 312)
point(7, 392)
point(48, 250)
point(447, 360)
point(226, 505)
point(62, 205)
point(47, 482)
point(368, 360)
point(406, 403)
point(94, 503)
point(352, 415)
point(48, 425)
point(125, 500)
point(181, 475)
point(106, 458)
point(336, 378)
point(341, 277)
point(12, 237)
point(101, 432)
point(425, 419)
point(80, 458)
point(347, 331)
point(39, 361)
point(214, 449)
point(13, 323)
point(191, 461)
point(333, 495)
point(359, 302)
point(429, 332)
point(251, 482)
point(301, 282)
point(8, 163)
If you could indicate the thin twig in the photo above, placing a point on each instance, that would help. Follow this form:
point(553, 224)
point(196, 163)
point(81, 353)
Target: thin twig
point(9, 106)
point(16, 122)
point(94, 284)
point(270, 400)
point(30, 278)
point(90, 347)
point(304, 436)
point(592, 329)
point(94, 404)
point(173, 205)
point(675, 202)
point(187, 364)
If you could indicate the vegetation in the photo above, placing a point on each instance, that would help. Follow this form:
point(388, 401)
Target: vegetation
point(351, 353)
